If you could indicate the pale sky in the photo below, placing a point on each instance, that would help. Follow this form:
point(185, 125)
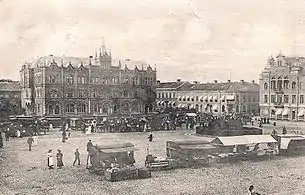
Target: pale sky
point(193, 40)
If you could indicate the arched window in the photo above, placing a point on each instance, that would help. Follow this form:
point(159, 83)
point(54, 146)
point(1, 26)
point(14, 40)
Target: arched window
point(105, 80)
point(273, 83)
point(50, 109)
point(83, 80)
point(79, 80)
point(125, 107)
point(54, 93)
point(265, 86)
point(70, 108)
point(293, 85)
point(125, 93)
point(81, 108)
point(105, 108)
point(56, 109)
point(279, 83)
point(95, 108)
point(286, 83)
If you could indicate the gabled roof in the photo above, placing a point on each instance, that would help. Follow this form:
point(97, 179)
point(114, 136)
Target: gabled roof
point(211, 86)
point(243, 87)
point(243, 140)
point(172, 85)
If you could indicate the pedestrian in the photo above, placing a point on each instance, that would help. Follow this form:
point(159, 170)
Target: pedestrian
point(1, 140)
point(89, 148)
point(76, 154)
point(251, 191)
point(50, 160)
point(30, 141)
point(59, 157)
point(7, 135)
point(150, 137)
point(64, 135)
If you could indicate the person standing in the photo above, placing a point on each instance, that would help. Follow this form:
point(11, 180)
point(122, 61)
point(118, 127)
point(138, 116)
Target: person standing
point(150, 137)
point(30, 141)
point(76, 154)
point(59, 157)
point(1, 140)
point(64, 136)
point(50, 160)
point(89, 149)
point(7, 135)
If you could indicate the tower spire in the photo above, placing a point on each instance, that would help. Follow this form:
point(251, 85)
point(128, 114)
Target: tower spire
point(104, 47)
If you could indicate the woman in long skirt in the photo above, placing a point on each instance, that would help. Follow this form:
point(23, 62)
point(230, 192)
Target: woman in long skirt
point(59, 157)
point(50, 160)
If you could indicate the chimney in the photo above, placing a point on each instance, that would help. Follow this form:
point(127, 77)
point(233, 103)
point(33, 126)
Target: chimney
point(215, 81)
point(178, 80)
point(195, 82)
point(158, 82)
point(253, 81)
point(229, 81)
point(242, 81)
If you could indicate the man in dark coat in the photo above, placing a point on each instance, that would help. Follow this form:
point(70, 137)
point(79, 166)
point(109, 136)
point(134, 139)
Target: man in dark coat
point(150, 137)
point(30, 142)
point(76, 154)
point(59, 157)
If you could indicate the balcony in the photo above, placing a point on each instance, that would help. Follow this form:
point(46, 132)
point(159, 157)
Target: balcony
point(279, 91)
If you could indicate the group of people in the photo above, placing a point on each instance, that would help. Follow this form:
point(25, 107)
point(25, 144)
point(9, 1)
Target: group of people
point(59, 159)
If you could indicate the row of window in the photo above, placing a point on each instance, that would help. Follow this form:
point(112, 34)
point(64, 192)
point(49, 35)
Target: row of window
point(166, 95)
point(284, 99)
point(279, 84)
point(94, 94)
point(104, 80)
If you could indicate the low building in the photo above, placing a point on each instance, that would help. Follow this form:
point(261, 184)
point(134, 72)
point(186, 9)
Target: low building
point(10, 98)
point(220, 98)
point(167, 93)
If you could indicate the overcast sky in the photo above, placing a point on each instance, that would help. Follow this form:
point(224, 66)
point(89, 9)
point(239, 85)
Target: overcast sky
point(192, 40)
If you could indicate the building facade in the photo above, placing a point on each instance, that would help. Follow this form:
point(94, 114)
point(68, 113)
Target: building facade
point(97, 85)
point(281, 88)
point(10, 98)
point(220, 98)
point(167, 93)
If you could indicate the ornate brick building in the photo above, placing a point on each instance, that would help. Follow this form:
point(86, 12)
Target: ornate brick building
point(281, 88)
point(97, 85)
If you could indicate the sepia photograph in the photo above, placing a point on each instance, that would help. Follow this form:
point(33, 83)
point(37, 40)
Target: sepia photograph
point(152, 97)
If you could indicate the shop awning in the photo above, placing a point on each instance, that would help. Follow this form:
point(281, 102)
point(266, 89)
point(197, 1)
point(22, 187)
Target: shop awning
point(301, 112)
point(211, 97)
point(192, 97)
point(192, 106)
point(278, 111)
point(215, 97)
point(215, 107)
point(183, 97)
point(205, 97)
point(244, 140)
point(231, 97)
point(179, 105)
point(201, 98)
point(223, 97)
point(285, 112)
